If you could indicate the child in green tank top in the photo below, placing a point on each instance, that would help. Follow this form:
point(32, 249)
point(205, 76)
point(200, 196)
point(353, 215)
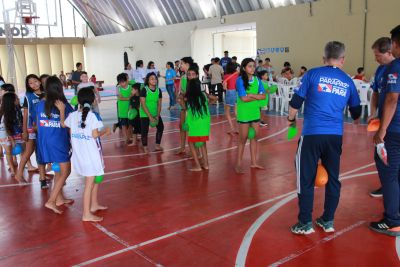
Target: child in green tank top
point(124, 93)
point(186, 62)
point(263, 76)
point(250, 94)
point(198, 119)
point(150, 109)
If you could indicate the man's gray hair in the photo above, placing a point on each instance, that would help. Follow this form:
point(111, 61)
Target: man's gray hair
point(334, 50)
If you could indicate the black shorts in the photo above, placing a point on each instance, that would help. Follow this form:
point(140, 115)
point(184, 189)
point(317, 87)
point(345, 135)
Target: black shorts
point(248, 122)
point(123, 121)
point(135, 123)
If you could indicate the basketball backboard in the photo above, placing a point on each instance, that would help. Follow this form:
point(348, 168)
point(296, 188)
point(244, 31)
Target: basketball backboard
point(44, 12)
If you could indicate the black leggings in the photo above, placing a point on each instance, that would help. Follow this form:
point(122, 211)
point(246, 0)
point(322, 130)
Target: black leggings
point(145, 124)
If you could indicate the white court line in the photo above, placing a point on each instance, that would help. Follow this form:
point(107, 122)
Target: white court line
point(180, 160)
point(180, 231)
point(153, 134)
point(189, 228)
point(248, 238)
point(124, 243)
point(398, 246)
point(320, 242)
point(163, 163)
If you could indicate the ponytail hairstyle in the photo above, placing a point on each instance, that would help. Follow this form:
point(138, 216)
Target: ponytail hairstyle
point(9, 111)
point(187, 60)
point(54, 91)
point(86, 98)
point(243, 72)
point(196, 100)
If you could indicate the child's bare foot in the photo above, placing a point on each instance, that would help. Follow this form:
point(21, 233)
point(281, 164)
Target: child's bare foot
point(53, 207)
point(133, 143)
point(92, 218)
point(158, 148)
point(32, 169)
point(180, 152)
point(205, 166)
point(145, 150)
point(195, 169)
point(64, 201)
point(239, 170)
point(93, 209)
point(256, 166)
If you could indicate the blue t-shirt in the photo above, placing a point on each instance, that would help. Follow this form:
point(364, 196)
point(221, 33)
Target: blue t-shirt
point(391, 84)
point(326, 90)
point(52, 142)
point(169, 75)
point(242, 91)
point(377, 87)
point(224, 61)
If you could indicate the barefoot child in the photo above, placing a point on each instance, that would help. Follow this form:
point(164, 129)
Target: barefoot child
point(150, 109)
point(34, 93)
point(186, 63)
point(263, 76)
point(134, 104)
point(124, 93)
point(53, 141)
point(10, 128)
point(250, 91)
point(198, 119)
point(87, 157)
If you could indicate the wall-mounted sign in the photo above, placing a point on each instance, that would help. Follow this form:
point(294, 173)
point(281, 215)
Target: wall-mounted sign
point(15, 31)
point(268, 50)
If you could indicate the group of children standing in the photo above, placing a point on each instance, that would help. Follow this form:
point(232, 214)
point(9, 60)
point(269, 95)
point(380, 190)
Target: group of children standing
point(246, 92)
point(51, 128)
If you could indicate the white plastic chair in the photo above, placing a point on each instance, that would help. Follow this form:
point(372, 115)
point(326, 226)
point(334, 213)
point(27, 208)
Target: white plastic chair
point(275, 98)
point(286, 94)
point(363, 91)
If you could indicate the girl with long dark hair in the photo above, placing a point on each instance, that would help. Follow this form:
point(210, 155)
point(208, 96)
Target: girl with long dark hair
point(34, 93)
point(53, 141)
point(198, 119)
point(250, 91)
point(10, 128)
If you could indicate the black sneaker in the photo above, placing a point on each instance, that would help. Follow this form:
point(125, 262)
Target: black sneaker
point(43, 184)
point(383, 228)
point(376, 193)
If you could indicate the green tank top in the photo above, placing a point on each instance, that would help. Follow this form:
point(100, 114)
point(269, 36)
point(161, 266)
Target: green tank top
point(249, 111)
point(123, 105)
point(264, 103)
point(199, 125)
point(151, 103)
point(183, 83)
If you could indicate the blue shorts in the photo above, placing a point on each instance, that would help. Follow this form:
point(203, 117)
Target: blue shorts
point(230, 98)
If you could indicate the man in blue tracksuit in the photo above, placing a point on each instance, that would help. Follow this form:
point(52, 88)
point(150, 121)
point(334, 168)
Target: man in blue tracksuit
point(325, 91)
point(383, 55)
point(389, 133)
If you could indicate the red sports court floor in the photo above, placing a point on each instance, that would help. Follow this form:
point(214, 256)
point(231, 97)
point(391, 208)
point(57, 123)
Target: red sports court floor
point(160, 214)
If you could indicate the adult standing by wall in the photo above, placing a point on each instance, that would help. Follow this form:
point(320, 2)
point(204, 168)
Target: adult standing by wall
point(216, 73)
point(76, 76)
point(325, 91)
point(225, 60)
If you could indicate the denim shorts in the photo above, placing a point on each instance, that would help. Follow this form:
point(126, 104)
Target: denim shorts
point(230, 98)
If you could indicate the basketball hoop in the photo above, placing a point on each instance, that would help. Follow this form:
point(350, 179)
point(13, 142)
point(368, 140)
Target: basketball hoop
point(28, 20)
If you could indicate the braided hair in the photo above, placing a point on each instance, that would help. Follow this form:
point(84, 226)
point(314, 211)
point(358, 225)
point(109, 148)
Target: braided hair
point(86, 98)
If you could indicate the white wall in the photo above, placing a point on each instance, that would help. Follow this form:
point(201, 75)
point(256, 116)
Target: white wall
point(292, 26)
